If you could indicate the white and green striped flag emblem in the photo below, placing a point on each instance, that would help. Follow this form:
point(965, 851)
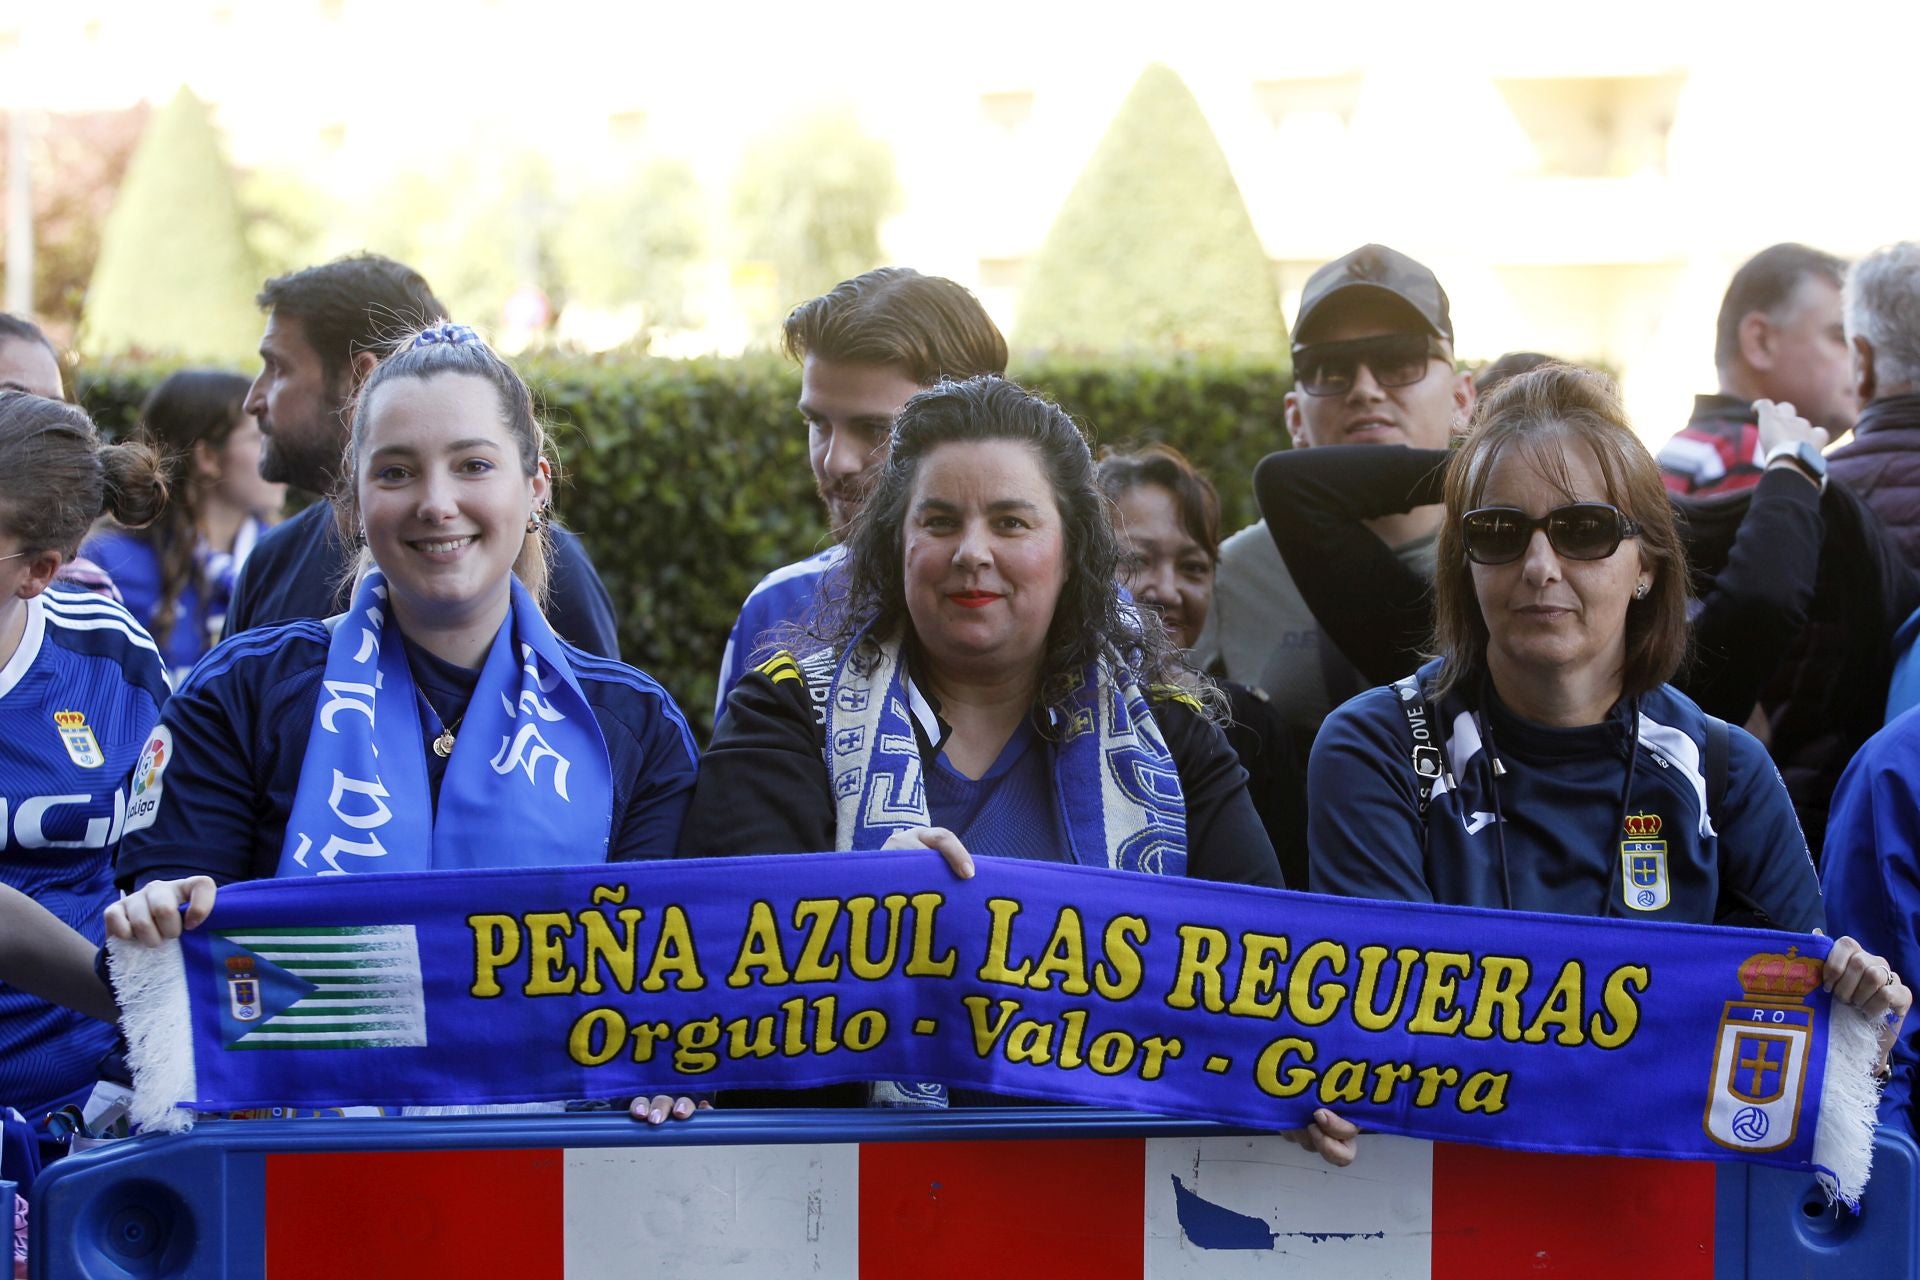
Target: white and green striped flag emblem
point(361, 988)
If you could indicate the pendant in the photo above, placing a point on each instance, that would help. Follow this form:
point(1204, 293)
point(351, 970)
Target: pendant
point(443, 745)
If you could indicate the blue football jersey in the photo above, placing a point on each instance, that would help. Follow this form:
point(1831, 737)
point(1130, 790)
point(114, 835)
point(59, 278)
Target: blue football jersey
point(783, 598)
point(78, 701)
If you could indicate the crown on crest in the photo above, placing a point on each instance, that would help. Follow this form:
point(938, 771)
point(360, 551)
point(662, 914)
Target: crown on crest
point(1772, 976)
point(70, 719)
point(239, 963)
point(1643, 826)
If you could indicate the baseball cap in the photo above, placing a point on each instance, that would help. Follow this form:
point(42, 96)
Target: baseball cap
point(1376, 269)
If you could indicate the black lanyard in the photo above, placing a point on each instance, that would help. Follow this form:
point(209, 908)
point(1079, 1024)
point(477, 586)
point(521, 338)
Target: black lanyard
point(1495, 769)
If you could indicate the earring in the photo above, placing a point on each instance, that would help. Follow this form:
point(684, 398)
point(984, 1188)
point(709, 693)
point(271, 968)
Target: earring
point(536, 519)
point(1640, 592)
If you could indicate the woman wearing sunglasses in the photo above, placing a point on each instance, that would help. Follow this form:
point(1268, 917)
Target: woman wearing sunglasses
point(1541, 762)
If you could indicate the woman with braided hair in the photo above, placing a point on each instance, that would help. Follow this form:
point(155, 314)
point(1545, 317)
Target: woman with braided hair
point(176, 575)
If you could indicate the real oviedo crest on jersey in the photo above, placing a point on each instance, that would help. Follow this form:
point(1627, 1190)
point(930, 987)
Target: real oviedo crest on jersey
point(75, 734)
point(1760, 1061)
point(1643, 864)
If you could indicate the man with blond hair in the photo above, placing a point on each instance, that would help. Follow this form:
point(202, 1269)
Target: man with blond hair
point(864, 348)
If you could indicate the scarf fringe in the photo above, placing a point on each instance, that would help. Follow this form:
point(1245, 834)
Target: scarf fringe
point(151, 984)
point(1849, 1101)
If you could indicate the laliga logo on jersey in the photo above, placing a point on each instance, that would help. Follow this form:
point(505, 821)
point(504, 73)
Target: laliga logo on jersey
point(1643, 864)
point(1760, 1063)
point(154, 758)
point(82, 747)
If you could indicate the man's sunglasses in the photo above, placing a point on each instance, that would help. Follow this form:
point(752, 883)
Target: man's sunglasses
point(1396, 359)
point(1578, 531)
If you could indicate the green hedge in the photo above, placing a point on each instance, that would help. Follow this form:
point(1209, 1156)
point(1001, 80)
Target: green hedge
point(688, 480)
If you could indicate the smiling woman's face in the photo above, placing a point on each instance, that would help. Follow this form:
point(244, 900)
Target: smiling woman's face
point(985, 558)
point(1161, 564)
point(442, 495)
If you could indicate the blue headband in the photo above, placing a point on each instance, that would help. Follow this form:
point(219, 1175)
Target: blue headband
point(453, 335)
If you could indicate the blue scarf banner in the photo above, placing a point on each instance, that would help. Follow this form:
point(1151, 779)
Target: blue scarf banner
point(1078, 984)
point(527, 777)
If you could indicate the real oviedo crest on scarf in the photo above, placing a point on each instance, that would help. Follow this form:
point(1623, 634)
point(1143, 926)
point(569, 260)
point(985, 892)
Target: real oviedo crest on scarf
point(243, 989)
point(1643, 864)
point(1760, 1060)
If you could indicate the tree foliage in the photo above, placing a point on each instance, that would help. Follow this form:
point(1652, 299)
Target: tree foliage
point(478, 229)
point(482, 231)
point(632, 243)
point(810, 199)
point(289, 220)
point(1154, 248)
point(75, 164)
point(175, 272)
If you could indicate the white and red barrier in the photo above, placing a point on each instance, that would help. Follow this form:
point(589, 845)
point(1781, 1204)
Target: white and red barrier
point(1027, 1192)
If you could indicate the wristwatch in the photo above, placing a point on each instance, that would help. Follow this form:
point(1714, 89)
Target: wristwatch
point(1803, 455)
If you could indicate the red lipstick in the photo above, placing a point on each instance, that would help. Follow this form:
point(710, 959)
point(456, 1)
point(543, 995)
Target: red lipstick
point(973, 599)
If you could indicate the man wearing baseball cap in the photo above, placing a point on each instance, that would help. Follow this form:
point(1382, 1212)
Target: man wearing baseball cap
point(1373, 364)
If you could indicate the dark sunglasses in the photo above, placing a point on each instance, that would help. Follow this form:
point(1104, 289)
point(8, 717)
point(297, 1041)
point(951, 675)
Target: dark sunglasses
point(1396, 360)
point(1577, 531)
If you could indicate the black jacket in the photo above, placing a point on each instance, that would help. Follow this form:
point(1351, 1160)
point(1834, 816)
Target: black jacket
point(1882, 465)
point(1830, 694)
point(1276, 774)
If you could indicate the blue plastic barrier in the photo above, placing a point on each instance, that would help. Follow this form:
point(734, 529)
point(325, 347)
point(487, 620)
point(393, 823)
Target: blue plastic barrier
point(198, 1204)
point(1772, 1224)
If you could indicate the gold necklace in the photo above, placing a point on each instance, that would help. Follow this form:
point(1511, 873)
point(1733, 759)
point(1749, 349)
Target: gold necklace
point(443, 745)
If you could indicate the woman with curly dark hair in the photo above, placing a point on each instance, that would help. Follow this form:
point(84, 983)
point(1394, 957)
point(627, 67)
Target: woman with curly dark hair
point(979, 623)
point(1167, 518)
point(177, 574)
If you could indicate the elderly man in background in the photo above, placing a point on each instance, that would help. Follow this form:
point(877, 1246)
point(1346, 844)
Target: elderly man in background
point(1882, 463)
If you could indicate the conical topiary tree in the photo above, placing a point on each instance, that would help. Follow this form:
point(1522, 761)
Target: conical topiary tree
point(810, 199)
point(175, 273)
point(1153, 249)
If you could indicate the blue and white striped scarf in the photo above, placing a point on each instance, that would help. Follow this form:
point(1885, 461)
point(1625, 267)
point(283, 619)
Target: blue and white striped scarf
point(528, 783)
point(1114, 779)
